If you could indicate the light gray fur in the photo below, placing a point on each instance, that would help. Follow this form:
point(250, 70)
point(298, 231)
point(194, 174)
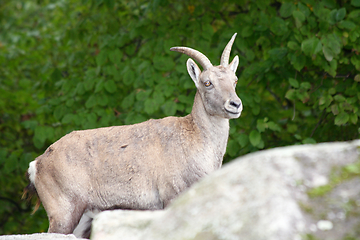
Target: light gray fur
point(140, 166)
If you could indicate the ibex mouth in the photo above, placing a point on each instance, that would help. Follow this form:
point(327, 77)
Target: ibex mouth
point(233, 112)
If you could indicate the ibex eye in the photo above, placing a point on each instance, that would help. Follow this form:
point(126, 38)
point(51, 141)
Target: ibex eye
point(207, 84)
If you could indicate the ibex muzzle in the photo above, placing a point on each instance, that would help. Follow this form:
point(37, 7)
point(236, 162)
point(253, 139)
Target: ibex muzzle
point(141, 166)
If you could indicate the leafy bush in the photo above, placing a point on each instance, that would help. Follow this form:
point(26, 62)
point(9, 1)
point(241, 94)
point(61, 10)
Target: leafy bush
point(69, 65)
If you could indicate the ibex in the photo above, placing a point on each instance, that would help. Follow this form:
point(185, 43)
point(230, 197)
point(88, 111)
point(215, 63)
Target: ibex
point(140, 166)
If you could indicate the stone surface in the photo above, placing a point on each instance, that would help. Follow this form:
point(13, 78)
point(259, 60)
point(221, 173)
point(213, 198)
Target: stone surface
point(290, 193)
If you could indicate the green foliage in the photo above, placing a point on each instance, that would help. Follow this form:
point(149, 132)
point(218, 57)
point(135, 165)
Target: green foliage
point(69, 65)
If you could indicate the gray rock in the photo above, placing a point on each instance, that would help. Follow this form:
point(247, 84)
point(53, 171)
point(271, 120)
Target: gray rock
point(39, 236)
point(290, 193)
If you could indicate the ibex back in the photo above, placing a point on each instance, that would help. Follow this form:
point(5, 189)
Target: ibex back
point(141, 166)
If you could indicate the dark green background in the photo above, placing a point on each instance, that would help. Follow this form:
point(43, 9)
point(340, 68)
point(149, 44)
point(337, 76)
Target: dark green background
point(71, 64)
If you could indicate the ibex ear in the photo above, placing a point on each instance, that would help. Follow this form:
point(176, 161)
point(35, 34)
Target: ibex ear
point(194, 71)
point(234, 64)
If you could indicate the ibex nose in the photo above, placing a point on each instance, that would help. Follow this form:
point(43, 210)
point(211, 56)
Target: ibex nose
point(233, 107)
point(236, 104)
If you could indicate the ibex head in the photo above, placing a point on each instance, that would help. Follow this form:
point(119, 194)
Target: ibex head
point(216, 84)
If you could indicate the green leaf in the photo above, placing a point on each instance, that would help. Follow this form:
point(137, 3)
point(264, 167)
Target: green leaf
point(291, 94)
point(326, 100)
point(169, 108)
point(99, 85)
point(110, 86)
point(355, 15)
point(354, 118)
point(102, 99)
point(299, 18)
point(278, 53)
point(150, 106)
point(128, 101)
point(330, 3)
point(128, 76)
point(68, 118)
point(80, 89)
point(333, 68)
point(158, 98)
point(293, 45)
point(232, 148)
point(70, 102)
point(142, 95)
point(291, 128)
point(273, 126)
point(287, 9)
point(305, 85)
point(340, 14)
point(59, 111)
point(333, 42)
point(90, 79)
point(303, 96)
point(261, 125)
point(11, 163)
point(91, 102)
point(357, 78)
point(335, 109)
point(298, 61)
point(332, 17)
point(255, 138)
point(163, 63)
point(56, 75)
point(249, 54)
point(242, 139)
point(278, 26)
point(328, 53)
point(304, 9)
point(355, 60)
point(115, 56)
point(101, 57)
point(299, 15)
point(355, 3)
point(311, 46)
point(341, 119)
point(255, 109)
point(347, 24)
point(339, 98)
point(28, 124)
point(322, 100)
point(332, 91)
point(293, 82)
point(42, 133)
point(247, 31)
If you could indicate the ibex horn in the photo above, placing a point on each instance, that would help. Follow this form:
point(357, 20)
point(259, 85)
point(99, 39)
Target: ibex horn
point(198, 56)
point(224, 61)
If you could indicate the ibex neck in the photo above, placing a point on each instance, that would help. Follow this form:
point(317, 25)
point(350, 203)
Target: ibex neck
point(214, 127)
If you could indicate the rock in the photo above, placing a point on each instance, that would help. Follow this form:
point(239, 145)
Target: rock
point(290, 193)
point(39, 236)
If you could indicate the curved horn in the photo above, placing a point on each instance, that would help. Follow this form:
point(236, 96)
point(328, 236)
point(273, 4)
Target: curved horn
point(198, 56)
point(224, 61)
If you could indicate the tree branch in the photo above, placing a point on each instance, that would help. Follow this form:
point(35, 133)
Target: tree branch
point(319, 122)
